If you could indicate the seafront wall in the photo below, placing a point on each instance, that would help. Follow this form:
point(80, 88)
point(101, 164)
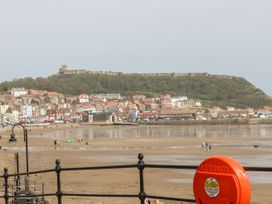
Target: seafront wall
point(252, 121)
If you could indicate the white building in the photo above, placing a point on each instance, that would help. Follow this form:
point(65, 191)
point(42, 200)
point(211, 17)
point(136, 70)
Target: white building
point(3, 108)
point(17, 92)
point(108, 96)
point(178, 101)
point(198, 104)
point(83, 98)
point(27, 110)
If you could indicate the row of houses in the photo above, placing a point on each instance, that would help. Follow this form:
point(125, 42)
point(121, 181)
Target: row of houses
point(36, 106)
point(29, 105)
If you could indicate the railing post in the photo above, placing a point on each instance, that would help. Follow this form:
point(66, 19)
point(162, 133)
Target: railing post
point(17, 178)
point(141, 166)
point(43, 192)
point(6, 196)
point(58, 170)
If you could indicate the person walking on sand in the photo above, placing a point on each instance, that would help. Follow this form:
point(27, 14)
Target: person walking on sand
point(206, 145)
point(147, 201)
point(58, 143)
point(209, 147)
point(55, 144)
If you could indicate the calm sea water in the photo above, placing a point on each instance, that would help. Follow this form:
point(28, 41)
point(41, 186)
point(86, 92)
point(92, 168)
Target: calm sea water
point(199, 131)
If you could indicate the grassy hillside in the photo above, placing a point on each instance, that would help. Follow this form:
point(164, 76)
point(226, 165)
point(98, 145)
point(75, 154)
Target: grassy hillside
point(211, 90)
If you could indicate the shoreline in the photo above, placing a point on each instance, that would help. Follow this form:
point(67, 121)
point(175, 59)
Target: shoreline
point(53, 127)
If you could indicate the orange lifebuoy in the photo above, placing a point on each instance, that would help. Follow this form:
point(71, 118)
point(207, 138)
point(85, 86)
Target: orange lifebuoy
point(221, 179)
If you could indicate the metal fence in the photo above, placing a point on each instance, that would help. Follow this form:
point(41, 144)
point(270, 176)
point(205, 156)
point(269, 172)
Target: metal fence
point(142, 195)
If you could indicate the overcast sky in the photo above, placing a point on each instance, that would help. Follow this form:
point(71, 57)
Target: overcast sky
point(231, 37)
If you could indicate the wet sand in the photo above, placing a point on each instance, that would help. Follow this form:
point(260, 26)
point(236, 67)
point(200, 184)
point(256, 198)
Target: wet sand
point(111, 151)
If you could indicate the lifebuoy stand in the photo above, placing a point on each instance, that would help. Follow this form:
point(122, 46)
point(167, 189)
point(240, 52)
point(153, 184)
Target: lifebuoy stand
point(221, 180)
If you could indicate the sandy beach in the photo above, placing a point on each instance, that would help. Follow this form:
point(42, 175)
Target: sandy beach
point(111, 151)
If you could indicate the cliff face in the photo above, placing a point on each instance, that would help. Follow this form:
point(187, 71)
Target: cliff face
point(219, 90)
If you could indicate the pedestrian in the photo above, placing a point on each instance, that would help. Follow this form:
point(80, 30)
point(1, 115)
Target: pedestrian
point(206, 145)
point(58, 143)
point(147, 201)
point(209, 147)
point(55, 144)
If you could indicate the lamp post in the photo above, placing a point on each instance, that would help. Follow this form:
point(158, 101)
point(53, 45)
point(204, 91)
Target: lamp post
point(13, 139)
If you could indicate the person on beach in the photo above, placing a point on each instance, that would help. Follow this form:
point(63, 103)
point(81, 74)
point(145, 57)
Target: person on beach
point(207, 146)
point(55, 144)
point(58, 143)
point(157, 202)
point(147, 201)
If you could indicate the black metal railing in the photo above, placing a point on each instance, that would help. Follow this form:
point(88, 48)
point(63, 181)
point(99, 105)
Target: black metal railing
point(142, 195)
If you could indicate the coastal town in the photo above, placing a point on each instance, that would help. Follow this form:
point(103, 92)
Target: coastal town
point(43, 107)
point(135, 102)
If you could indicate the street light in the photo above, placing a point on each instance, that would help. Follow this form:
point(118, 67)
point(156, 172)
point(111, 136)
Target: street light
point(13, 139)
